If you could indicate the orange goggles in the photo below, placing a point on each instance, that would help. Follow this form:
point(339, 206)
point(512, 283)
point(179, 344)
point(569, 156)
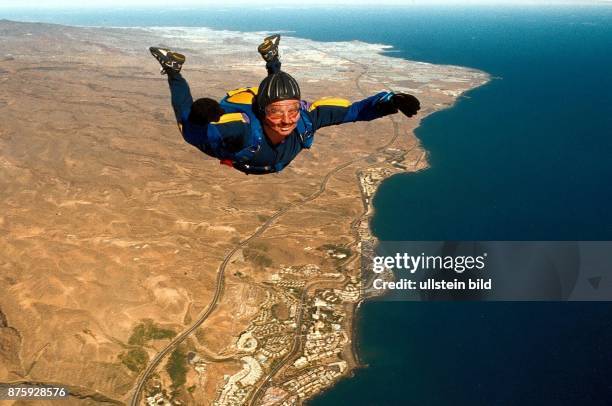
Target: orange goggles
point(278, 114)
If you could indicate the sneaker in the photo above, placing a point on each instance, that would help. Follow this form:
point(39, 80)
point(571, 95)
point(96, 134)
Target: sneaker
point(169, 60)
point(269, 47)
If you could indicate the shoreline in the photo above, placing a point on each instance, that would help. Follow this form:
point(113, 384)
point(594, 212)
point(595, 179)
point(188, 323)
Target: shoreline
point(368, 215)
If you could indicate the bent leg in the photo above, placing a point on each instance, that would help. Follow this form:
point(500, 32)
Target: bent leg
point(273, 66)
point(180, 96)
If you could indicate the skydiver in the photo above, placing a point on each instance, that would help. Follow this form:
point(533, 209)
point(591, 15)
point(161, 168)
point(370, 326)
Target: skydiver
point(260, 130)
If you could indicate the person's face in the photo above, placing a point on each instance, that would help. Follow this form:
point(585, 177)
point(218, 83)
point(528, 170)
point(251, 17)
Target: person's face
point(281, 119)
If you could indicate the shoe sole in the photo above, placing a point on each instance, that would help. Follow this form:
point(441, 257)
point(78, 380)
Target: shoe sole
point(269, 43)
point(168, 57)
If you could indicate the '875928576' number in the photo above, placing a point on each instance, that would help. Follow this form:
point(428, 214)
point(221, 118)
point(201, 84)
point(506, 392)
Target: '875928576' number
point(25, 391)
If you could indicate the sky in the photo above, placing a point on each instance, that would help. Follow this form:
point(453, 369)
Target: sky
point(217, 3)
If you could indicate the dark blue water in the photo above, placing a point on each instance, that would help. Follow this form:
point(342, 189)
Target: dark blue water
point(526, 157)
point(449, 353)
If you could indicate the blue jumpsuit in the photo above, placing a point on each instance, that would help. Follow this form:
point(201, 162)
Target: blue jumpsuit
point(270, 158)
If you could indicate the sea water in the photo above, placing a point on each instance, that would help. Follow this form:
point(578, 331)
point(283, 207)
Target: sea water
point(526, 157)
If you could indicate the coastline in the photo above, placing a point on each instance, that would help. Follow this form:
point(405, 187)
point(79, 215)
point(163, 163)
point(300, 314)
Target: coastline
point(347, 66)
point(367, 197)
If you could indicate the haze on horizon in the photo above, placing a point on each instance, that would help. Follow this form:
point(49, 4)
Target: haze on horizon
point(283, 3)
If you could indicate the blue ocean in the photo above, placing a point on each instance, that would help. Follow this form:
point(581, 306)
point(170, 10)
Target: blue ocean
point(526, 157)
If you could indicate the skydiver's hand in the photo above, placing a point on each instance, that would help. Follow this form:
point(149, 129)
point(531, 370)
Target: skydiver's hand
point(406, 103)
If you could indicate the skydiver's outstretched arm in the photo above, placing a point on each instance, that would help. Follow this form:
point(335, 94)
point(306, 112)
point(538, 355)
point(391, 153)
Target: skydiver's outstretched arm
point(333, 111)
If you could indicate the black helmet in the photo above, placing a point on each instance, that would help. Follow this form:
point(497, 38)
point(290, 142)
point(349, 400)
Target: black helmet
point(277, 86)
